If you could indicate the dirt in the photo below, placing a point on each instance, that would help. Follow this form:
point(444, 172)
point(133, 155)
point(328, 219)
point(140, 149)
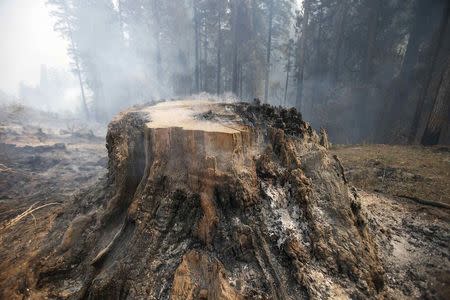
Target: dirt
point(414, 243)
point(401, 188)
point(225, 201)
point(42, 164)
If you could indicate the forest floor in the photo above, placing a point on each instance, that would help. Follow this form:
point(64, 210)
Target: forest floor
point(405, 191)
point(45, 160)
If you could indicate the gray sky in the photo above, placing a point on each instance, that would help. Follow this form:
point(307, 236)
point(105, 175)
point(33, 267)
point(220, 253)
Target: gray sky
point(27, 41)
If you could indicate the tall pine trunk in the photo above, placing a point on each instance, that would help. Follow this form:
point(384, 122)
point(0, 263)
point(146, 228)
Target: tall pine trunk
point(438, 118)
point(197, 46)
point(367, 68)
point(158, 58)
point(435, 50)
point(235, 69)
point(120, 13)
point(404, 88)
point(416, 32)
point(78, 72)
point(288, 69)
point(205, 53)
point(364, 122)
point(268, 50)
point(302, 56)
point(317, 89)
point(219, 54)
point(241, 80)
point(339, 36)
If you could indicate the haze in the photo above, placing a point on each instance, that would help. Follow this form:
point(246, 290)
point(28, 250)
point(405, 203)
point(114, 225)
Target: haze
point(28, 41)
point(366, 71)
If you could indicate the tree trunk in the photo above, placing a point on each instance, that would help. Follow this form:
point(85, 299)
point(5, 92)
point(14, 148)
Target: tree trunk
point(78, 71)
point(219, 54)
point(340, 22)
point(405, 87)
point(288, 69)
point(241, 81)
point(444, 139)
point(268, 49)
point(254, 65)
point(367, 68)
point(80, 81)
point(235, 70)
point(440, 36)
point(318, 64)
point(159, 73)
point(302, 56)
point(119, 9)
point(439, 115)
point(363, 120)
point(197, 46)
point(205, 53)
point(416, 33)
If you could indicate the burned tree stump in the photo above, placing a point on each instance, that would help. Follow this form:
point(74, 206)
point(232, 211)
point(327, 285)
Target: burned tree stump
point(209, 200)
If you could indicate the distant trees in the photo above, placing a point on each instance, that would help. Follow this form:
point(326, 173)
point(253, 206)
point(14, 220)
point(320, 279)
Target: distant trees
point(367, 70)
point(134, 50)
point(370, 70)
point(236, 43)
point(64, 24)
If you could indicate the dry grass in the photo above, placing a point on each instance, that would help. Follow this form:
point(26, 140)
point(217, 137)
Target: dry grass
point(29, 211)
point(411, 171)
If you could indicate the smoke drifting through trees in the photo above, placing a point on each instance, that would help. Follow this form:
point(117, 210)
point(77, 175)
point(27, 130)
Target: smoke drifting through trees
point(367, 70)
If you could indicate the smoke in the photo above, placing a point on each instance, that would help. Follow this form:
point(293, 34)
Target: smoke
point(28, 41)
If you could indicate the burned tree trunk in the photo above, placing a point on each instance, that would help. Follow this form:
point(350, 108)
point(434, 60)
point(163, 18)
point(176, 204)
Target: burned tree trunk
point(438, 118)
point(429, 90)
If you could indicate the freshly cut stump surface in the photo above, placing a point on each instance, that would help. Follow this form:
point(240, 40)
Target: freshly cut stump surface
point(207, 200)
